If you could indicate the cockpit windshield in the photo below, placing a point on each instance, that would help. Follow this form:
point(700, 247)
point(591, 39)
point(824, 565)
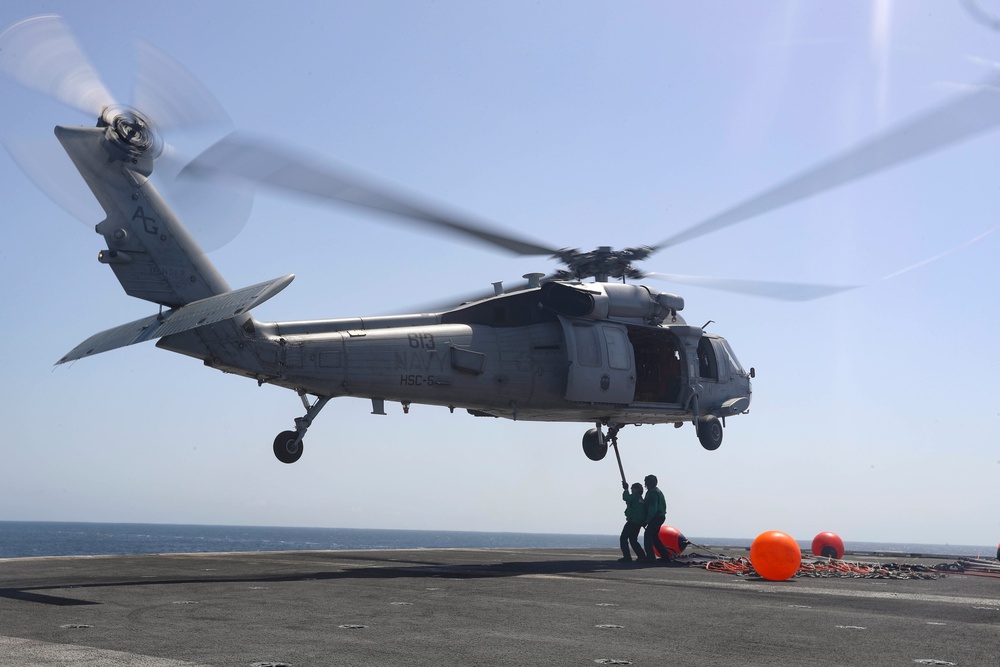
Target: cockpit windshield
point(734, 363)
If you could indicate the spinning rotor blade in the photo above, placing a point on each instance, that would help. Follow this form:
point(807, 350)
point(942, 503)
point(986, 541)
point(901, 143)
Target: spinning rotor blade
point(171, 94)
point(177, 101)
point(763, 288)
point(252, 160)
point(958, 120)
point(46, 164)
point(41, 53)
point(213, 212)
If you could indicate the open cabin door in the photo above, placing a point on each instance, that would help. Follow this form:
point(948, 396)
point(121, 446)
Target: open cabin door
point(602, 362)
point(659, 363)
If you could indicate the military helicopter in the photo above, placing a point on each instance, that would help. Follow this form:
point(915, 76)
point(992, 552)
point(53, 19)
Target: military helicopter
point(571, 346)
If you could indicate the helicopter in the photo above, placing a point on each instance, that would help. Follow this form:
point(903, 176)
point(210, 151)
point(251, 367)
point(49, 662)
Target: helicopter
point(582, 344)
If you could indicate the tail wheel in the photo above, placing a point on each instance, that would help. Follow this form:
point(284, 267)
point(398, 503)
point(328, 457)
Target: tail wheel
point(288, 447)
point(710, 432)
point(594, 444)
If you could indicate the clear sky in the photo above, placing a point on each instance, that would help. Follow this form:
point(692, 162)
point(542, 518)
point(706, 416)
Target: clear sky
point(875, 412)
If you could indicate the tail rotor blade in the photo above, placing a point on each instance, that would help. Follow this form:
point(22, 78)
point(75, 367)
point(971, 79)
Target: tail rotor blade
point(170, 94)
point(41, 53)
point(179, 103)
point(213, 210)
point(46, 164)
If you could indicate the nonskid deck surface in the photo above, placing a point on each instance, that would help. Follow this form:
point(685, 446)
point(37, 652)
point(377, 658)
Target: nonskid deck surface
point(476, 607)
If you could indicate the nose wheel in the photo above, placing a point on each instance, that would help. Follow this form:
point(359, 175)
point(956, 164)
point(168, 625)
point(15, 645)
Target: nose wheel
point(288, 445)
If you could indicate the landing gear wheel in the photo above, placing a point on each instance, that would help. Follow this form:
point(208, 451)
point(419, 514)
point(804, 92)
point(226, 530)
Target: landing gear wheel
point(710, 432)
point(286, 448)
point(594, 444)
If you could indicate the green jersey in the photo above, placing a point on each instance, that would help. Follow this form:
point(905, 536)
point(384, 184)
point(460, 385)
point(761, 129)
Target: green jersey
point(635, 508)
point(656, 504)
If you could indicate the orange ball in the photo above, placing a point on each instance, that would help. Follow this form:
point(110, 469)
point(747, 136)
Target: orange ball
point(775, 555)
point(673, 540)
point(829, 545)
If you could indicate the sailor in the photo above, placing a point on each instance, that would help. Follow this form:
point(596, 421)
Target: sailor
point(635, 516)
point(656, 514)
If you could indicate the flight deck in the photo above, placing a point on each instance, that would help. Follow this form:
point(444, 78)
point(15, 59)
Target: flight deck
point(477, 607)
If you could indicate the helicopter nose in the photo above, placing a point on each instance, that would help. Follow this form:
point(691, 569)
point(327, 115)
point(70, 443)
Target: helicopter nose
point(735, 406)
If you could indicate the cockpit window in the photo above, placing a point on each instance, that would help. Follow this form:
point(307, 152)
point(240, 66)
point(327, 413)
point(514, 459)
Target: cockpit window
point(734, 363)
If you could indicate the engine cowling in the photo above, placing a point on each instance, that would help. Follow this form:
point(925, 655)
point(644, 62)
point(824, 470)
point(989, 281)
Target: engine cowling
point(601, 301)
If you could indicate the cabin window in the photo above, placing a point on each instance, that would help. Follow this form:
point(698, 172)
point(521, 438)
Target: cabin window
point(708, 366)
point(588, 351)
point(618, 352)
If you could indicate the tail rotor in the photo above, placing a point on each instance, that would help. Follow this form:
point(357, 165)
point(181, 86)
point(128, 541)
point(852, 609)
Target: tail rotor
point(42, 54)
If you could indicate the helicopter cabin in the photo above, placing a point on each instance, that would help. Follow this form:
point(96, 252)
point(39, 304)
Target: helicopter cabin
point(618, 349)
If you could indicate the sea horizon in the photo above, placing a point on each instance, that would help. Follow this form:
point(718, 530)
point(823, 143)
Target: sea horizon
point(22, 539)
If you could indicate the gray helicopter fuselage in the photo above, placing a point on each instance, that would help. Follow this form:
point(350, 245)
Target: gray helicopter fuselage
point(538, 371)
point(605, 353)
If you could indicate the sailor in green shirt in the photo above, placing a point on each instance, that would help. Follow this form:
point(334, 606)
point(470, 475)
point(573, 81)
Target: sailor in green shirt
point(656, 514)
point(635, 516)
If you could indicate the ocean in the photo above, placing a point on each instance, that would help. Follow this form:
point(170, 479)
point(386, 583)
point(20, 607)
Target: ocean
point(20, 539)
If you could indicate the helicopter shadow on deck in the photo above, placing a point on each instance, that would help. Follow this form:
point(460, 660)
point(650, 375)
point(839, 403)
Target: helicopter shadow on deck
point(394, 568)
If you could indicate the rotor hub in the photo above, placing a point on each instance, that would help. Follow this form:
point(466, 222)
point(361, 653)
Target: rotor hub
point(131, 131)
point(602, 263)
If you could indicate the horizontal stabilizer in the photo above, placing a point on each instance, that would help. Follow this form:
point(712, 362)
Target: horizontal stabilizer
point(191, 316)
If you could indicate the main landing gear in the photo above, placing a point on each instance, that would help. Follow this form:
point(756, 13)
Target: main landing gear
point(288, 444)
point(595, 443)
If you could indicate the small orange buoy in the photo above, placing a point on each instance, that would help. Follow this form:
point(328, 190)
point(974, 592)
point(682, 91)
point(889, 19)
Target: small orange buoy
point(829, 545)
point(775, 555)
point(673, 540)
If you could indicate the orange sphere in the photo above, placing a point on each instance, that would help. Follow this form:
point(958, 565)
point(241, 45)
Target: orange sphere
point(829, 545)
point(775, 555)
point(673, 540)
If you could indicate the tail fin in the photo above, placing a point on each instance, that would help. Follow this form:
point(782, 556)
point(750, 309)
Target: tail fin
point(156, 259)
point(151, 253)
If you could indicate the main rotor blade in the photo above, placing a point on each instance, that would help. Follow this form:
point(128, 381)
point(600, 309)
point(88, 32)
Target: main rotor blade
point(763, 288)
point(958, 120)
point(41, 53)
point(243, 157)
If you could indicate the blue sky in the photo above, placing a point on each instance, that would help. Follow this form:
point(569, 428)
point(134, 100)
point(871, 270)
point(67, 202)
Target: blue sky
point(579, 124)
